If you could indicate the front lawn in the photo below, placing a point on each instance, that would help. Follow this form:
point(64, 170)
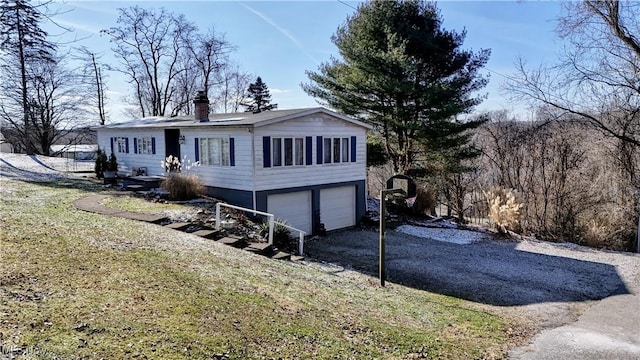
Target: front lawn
point(80, 285)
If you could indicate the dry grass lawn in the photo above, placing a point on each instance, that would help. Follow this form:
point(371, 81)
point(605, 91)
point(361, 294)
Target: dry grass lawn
point(82, 285)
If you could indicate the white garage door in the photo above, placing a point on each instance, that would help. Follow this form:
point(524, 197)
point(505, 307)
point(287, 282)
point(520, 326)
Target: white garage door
point(294, 208)
point(338, 207)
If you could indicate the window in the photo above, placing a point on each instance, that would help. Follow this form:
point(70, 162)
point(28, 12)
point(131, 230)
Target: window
point(335, 150)
point(345, 149)
point(287, 151)
point(121, 145)
point(327, 151)
point(277, 151)
point(144, 145)
point(299, 151)
point(214, 151)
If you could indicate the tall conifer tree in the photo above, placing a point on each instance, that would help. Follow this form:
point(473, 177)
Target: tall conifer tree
point(259, 98)
point(400, 71)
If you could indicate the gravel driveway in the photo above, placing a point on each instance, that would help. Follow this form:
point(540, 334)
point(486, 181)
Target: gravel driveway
point(489, 272)
point(544, 285)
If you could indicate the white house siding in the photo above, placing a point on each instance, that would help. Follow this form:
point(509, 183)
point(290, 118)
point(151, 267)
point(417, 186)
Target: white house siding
point(268, 178)
point(239, 176)
point(129, 160)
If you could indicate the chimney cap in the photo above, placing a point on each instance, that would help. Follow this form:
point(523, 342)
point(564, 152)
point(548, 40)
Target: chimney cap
point(201, 97)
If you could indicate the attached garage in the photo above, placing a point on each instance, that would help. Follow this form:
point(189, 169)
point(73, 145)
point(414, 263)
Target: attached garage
point(338, 207)
point(294, 207)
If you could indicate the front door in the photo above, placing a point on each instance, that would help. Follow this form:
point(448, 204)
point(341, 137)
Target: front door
point(172, 142)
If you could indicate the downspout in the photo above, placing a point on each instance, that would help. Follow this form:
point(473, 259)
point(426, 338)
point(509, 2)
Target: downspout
point(253, 167)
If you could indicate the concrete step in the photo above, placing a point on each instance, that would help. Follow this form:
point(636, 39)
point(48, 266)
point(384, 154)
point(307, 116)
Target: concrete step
point(297, 258)
point(209, 234)
point(180, 226)
point(281, 255)
point(233, 240)
point(259, 248)
point(150, 218)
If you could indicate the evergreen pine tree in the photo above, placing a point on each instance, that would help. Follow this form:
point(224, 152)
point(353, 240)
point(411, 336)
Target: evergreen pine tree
point(259, 98)
point(401, 72)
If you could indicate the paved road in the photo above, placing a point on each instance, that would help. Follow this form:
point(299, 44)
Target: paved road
point(608, 330)
point(543, 279)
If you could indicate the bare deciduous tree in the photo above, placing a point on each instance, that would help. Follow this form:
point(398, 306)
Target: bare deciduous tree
point(149, 44)
point(232, 91)
point(597, 77)
point(95, 78)
point(22, 41)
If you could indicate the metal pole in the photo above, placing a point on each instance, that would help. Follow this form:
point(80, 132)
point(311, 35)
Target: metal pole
point(217, 216)
point(271, 221)
point(383, 272)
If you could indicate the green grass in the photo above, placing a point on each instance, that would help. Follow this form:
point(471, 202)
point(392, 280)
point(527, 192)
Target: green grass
point(80, 285)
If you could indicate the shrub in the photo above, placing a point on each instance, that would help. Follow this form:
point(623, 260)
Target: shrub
point(425, 201)
point(101, 163)
point(181, 186)
point(281, 235)
point(112, 164)
point(504, 209)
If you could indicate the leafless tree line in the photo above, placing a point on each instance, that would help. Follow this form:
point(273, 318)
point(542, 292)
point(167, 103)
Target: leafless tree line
point(51, 92)
point(167, 59)
point(575, 183)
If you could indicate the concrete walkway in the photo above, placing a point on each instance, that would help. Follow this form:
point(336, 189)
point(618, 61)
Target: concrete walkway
point(92, 203)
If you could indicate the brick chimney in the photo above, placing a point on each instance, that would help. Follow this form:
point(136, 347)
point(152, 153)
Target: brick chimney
point(201, 104)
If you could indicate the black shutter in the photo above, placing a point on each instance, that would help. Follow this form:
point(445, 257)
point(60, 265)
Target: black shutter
point(266, 151)
point(135, 145)
point(126, 145)
point(112, 146)
point(153, 145)
point(319, 150)
point(197, 149)
point(353, 149)
point(232, 152)
point(309, 150)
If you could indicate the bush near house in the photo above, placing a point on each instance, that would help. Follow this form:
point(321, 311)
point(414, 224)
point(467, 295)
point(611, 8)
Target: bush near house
point(101, 163)
point(181, 186)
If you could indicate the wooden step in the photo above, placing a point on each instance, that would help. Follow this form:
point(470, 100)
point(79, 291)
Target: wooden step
point(180, 226)
point(281, 255)
point(208, 233)
point(233, 240)
point(297, 258)
point(259, 248)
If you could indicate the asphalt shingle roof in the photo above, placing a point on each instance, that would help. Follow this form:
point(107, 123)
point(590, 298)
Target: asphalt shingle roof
point(231, 119)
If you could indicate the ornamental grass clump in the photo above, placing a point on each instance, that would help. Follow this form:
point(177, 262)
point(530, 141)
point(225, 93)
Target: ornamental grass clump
point(504, 209)
point(181, 185)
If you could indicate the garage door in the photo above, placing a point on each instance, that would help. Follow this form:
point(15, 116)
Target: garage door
point(338, 207)
point(294, 208)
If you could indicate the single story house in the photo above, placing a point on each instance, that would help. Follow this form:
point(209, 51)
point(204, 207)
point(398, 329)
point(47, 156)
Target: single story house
point(75, 152)
point(306, 166)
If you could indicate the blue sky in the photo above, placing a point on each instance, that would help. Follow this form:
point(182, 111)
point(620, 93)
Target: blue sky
point(280, 40)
